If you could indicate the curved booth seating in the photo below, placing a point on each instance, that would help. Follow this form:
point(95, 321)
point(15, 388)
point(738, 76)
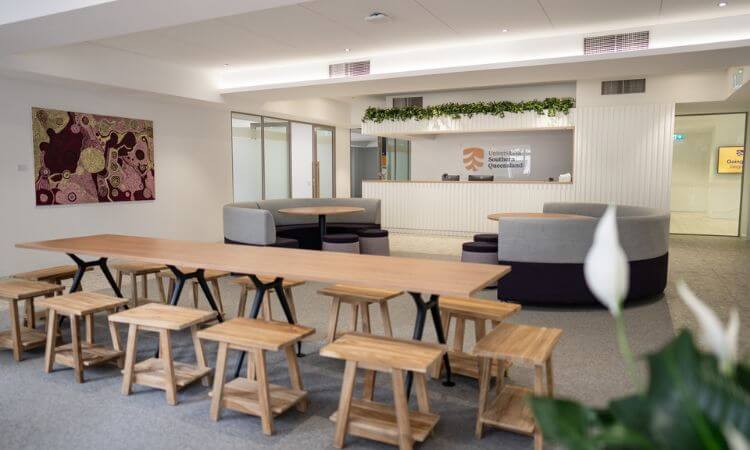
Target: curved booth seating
point(486, 237)
point(261, 223)
point(245, 224)
point(546, 255)
point(374, 242)
point(342, 243)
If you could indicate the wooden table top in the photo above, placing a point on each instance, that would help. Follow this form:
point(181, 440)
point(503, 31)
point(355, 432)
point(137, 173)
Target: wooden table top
point(385, 352)
point(506, 215)
point(385, 272)
point(320, 210)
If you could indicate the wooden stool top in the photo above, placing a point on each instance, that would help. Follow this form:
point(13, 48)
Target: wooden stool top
point(155, 315)
point(137, 268)
point(209, 274)
point(50, 273)
point(521, 344)
point(385, 352)
point(82, 303)
point(251, 333)
point(359, 293)
point(246, 281)
point(18, 289)
point(478, 308)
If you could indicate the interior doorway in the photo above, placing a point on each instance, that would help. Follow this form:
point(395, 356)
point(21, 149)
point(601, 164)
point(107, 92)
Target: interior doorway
point(707, 173)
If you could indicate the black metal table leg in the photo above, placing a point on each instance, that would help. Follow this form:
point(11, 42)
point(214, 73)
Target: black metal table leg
point(260, 294)
point(422, 308)
point(82, 266)
point(199, 275)
point(322, 228)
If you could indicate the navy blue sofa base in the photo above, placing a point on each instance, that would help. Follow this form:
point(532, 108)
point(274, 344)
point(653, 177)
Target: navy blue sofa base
point(563, 284)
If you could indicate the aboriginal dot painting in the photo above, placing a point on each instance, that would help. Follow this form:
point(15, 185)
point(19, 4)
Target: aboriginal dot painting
point(88, 158)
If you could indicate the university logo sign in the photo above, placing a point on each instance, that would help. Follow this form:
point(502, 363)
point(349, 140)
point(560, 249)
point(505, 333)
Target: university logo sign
point(473, 158)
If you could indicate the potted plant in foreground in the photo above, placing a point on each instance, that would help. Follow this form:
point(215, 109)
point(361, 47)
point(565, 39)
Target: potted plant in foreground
point(691, 400)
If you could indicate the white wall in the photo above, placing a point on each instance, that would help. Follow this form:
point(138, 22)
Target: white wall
point(551, 153)
point(193, 172)
point(623, 155)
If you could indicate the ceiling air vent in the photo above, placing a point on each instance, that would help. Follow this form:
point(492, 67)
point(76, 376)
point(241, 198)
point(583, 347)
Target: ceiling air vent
point(614, 43)
point(617, 87)
point(349, 69)
point(403, 102)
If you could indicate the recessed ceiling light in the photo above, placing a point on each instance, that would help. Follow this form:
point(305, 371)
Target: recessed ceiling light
point(505, 30)
point(347, 50)
point(723, 4)
point(377, 17)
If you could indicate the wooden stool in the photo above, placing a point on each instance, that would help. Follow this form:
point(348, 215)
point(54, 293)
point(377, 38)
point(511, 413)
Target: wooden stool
point(75, 354)
point(525, 346)
point(265, 312)
point(18, 338)
point(360, 300)
point(254, 395)
point(138, 269)
point(54, 275)
point(211, 276)
point(478, 311)
point(394, 425)
point(163, 372)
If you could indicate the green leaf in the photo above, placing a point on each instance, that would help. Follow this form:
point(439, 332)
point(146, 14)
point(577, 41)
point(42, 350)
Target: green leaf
point(565, 422)
point(550, 106)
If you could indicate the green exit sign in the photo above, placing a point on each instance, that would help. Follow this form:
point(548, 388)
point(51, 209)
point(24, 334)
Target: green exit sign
point(679, 137)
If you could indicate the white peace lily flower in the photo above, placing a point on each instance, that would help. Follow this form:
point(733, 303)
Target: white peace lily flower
point(735, 439)
point(724, 343)
point(606, 266)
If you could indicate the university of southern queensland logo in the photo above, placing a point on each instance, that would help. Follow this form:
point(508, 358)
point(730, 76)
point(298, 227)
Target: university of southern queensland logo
point(473, 158)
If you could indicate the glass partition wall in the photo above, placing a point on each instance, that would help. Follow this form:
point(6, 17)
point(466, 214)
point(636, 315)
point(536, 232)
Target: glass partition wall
point(377, 158)
point(276, 158)
point(707, 173)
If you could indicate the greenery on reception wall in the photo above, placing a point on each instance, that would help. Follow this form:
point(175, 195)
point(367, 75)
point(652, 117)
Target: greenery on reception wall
point(550, 106)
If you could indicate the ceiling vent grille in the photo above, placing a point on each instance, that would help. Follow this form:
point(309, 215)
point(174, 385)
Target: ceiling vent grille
point(617, 87)
point(349, 69)
point(615, 43)
point(403, 102)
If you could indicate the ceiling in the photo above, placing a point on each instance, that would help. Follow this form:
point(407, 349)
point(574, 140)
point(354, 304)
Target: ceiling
point(323, 29)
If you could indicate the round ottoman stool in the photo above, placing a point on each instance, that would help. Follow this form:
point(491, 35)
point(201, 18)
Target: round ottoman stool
point(342, 243)
point(480, 252)
point(374, 242)
point(486, 237)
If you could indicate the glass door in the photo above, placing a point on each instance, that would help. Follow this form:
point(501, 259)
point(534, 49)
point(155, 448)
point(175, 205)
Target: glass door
point(397, 159)
point(247, 157)
point(707, 170)
point(323, 141)
point(276, 158)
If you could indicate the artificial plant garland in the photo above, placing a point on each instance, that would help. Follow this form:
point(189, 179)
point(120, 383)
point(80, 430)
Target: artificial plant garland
point(550, 106)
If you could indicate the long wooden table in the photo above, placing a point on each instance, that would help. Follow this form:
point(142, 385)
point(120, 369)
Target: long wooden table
point(420, 277)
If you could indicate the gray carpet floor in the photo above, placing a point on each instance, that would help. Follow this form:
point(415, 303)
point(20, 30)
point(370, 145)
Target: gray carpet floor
point(38, 410)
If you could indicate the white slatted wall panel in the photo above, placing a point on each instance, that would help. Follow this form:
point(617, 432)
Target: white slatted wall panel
point(623, 155)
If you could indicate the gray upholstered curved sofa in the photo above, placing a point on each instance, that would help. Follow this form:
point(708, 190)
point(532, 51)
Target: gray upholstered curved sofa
point(547, 255)
point(261, 223)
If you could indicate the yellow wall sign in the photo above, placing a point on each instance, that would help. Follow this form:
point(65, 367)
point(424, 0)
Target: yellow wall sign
point(730, 159)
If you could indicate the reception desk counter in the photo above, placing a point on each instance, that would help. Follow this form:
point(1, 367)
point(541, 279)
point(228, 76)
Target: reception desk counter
point(459, 206)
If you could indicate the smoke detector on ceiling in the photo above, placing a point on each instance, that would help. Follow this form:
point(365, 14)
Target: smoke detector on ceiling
point(377, 17)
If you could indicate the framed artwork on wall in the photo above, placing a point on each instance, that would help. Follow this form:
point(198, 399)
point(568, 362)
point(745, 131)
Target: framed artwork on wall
point(91, 158)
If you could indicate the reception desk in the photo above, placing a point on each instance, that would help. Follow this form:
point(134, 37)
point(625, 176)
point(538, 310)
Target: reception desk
point(459, 207)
